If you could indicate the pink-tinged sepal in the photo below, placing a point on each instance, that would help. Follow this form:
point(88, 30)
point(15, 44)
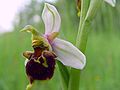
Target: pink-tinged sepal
point(68, 54)
point(51, 20)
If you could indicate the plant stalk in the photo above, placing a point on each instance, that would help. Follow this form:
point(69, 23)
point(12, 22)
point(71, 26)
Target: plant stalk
point(64, 75)
point(83, 31)
point(81, 44)
point(81, 41)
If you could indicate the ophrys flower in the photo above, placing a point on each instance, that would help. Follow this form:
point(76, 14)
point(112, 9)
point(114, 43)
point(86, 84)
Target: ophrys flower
point(40, 63)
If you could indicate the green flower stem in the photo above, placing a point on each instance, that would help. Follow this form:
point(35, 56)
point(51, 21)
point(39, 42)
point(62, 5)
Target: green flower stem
point(75, 74)
point(82, 36)
point(74, 79)
point(83, 31)
point(64, 74)
point(81, 44)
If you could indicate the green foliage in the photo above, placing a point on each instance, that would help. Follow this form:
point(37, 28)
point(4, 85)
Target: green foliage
point(102, 70)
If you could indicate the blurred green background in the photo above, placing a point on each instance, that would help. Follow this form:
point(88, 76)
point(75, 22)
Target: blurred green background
point(103, 48)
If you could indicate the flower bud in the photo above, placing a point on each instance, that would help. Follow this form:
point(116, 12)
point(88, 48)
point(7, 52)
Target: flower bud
point(78, 7)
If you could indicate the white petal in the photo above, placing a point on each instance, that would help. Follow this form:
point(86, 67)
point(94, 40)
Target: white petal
point(51, 19)
point(68, 54)
point(111, 2)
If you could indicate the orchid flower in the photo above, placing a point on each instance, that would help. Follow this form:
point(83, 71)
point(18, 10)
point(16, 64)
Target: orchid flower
point(40, 63)
point(111, 2)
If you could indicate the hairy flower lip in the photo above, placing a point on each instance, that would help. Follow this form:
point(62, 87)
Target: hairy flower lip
point(36, 68)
